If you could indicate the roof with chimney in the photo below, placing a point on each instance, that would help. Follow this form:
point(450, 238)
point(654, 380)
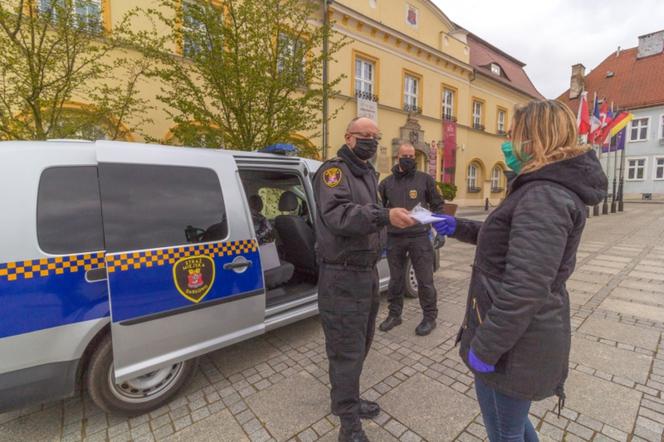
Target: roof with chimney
point(511, 73)
point(630, 78)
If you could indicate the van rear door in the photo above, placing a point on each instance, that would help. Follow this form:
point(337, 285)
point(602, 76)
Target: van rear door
point(184, 272)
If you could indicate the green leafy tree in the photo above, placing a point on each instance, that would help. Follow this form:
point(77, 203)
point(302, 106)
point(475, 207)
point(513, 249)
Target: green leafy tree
point(240, 74)
point(62, 75)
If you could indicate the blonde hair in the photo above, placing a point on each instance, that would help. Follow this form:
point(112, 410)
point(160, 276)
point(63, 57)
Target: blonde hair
point(544, 132)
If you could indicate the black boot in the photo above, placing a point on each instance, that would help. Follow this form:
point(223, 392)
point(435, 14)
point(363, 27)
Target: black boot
point(351, 430)
point(390, 323)
point(425, 327)
point(368, 409)
point(351, 435)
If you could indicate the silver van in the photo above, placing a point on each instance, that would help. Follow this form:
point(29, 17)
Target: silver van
point(120, 263)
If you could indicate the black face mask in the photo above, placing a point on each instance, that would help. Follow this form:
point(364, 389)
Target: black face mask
point(365, 148)
point(407, 164)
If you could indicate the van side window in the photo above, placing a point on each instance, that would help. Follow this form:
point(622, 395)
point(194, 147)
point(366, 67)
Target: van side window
point(68, 211)
point(149, 206)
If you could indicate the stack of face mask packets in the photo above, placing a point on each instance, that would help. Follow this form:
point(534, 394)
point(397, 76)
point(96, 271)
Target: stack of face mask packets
point(422, 215)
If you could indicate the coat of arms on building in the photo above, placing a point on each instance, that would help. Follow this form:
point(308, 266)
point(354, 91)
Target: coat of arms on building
point(411, 15)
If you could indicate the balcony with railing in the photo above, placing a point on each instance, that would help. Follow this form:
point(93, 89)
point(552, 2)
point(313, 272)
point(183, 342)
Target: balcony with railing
point(478, 126)
point(366, 95)
point(412, 108)
point(450, 118)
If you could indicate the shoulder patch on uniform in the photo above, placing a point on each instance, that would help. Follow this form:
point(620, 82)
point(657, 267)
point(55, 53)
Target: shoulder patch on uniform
point(332, 177)
point(413, 194)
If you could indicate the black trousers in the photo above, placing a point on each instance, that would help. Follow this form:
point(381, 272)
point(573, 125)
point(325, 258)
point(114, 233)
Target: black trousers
point(420, 251)
point(348, 303)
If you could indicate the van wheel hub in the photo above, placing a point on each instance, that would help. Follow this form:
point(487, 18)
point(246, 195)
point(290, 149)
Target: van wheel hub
point(146, 387)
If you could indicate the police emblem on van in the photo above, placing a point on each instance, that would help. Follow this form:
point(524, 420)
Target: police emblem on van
point(194, 276)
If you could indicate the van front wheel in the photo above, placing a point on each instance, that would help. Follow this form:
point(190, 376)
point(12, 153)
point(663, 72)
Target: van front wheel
point(135, 396)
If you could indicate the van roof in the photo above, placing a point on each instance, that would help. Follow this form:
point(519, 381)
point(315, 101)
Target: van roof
point(86, 144)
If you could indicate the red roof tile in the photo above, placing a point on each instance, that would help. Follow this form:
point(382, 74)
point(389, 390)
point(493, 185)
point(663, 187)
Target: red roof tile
point(635, 82)
point(482, 54)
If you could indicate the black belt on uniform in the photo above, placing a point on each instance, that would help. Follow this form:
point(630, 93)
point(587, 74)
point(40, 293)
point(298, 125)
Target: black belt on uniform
point(348, 265)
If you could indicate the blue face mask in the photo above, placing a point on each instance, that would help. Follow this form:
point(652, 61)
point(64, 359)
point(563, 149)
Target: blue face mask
point(512, 161)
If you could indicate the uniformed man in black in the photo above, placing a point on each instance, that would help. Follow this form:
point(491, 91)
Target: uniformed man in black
point(348, 225)
point(407, 187)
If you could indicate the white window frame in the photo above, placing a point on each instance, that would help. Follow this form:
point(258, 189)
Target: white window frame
point(656, 166)
point(290, 48)
point(410, 98)
point(647, 127)
point(661, 127)
point(501, 124)
point(448, 103)
point(645, 169)
point(364, 82)
point(496, 69)
point(477, 117)
point(472, 177)
point(496, 175)
point(99, 22)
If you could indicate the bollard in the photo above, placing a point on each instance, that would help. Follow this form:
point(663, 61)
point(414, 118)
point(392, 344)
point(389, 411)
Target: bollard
point(486, 205)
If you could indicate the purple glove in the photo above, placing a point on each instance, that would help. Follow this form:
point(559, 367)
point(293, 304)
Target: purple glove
point(446, 226)
point(478, 365)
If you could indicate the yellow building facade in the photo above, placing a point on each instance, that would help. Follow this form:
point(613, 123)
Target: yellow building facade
point(412, 69)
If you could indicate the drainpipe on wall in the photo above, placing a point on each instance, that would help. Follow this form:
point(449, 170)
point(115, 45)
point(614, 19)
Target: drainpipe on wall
point(326, 37)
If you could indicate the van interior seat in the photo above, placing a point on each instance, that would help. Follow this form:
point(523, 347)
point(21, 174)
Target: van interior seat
point(276, 271)
point(298, 240)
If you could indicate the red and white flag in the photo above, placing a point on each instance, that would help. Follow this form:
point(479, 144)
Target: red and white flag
point(583, 116)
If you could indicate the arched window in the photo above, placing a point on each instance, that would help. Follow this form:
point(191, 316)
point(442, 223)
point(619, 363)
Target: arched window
point(473, 172)
point(497, 178)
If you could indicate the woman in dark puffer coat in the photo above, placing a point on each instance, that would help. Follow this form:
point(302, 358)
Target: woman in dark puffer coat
point(516, 333)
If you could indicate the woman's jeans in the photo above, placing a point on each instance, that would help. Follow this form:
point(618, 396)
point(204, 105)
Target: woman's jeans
point(505, 418)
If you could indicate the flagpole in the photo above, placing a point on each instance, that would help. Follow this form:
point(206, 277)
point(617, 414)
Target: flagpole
point(605, 205)
point(615, 172)
point(622, 178)
point(595, 104)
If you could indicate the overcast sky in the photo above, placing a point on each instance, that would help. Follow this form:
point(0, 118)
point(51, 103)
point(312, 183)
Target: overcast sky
point(552, 35)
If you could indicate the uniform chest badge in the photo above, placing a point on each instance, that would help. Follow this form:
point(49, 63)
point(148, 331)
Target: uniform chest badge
point(332, 177)
point(193, 277)
point(413, 194)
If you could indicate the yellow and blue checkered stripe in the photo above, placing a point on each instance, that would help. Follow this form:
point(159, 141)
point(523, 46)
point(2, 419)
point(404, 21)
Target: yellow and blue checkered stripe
point(45, 267)
point(150, 258)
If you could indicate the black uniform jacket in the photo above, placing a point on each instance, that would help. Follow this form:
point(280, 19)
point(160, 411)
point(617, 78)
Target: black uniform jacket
point(349, 217)
point(407, 190)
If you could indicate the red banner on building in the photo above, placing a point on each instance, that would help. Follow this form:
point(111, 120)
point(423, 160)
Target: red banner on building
point(449, 152)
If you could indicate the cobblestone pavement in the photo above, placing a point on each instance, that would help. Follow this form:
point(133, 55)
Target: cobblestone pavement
point(275, 387)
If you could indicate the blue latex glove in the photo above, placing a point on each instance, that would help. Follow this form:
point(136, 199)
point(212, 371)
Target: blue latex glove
point(446, 226)
point(478, 365)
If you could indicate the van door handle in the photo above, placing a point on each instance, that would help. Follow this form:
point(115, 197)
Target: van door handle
point(96, 275)
point(237, 265)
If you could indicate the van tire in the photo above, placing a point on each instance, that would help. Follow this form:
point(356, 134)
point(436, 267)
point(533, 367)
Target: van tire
point(411, 281)
point(118, 400)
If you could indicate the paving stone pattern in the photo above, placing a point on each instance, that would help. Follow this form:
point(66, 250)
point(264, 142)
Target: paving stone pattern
point(276, 387)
